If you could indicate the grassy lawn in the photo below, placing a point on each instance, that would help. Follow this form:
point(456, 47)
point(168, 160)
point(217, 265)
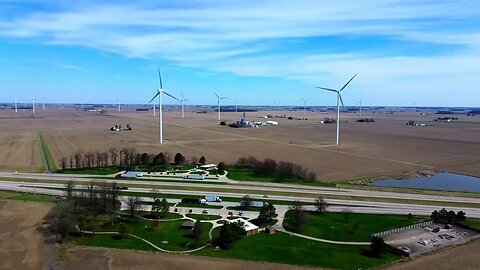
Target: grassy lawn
point(196, 205)
point(48, 156)
point(10, 195)
point(177, 239)
point(243, 174)
point(203, 217)
point(109, 241)
point(167, 216)
point(359, 227)
point(93, 171)
point(283, 248)
point(473, 223)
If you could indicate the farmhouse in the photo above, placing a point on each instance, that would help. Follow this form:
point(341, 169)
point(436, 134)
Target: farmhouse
point(250, 228)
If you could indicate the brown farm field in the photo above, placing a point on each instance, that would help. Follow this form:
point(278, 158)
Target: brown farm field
point(385, 148)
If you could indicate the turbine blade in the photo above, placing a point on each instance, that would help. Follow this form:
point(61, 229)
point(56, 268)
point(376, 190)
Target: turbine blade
point(328, 89)
point(154, 97)
point(160, 78)
point(170, 95)
point(223, 97)
point(341, 100)
point(348, 82)
point(216, 95)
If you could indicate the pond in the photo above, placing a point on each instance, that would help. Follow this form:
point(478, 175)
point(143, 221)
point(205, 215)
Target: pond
point(440, 181)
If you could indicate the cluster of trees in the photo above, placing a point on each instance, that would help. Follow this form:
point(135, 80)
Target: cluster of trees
point(269, 166)
point(83, 207)
point(125, 157)
point(448, 217)
point(229, 234)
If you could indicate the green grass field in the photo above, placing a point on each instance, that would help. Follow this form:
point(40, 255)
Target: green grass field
point(176, 239)
point(359, 227)
point(109, 241)
point(283, 248)
point(93, 171)
point(48, 156)
point(203, 217)
point(10, 195)
point(243, 174)
point(473, 223)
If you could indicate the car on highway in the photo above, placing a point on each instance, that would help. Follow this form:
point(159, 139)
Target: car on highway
point(190, 211)
point(205, 211)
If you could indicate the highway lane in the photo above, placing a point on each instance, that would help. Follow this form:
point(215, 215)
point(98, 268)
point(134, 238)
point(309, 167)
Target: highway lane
point(257, 186)
point(337, 204)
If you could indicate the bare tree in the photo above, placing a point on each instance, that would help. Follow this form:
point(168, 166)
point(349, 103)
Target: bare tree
point(155, 193)
point(63, 163)
point(320, 204)
point(77, 156)
point(194, 160)
point(168, 157)
point(69, 189)
point(71, 162)
point(134, 205)
point(113, 156)
point(297, 216)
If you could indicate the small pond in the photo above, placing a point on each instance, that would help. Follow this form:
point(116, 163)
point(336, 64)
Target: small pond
point(440, 181)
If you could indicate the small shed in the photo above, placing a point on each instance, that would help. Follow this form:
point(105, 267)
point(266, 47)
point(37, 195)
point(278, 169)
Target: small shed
point(270, 230)
point(187, 225)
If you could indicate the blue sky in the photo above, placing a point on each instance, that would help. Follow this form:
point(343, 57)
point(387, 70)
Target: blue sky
point(254, 52)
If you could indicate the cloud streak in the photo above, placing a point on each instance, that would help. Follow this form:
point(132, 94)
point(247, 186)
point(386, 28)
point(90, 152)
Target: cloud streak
point(247, 38)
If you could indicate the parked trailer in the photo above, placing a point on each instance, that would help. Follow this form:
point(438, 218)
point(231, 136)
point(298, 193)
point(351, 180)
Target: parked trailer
point(194, 176)
point(213, 198)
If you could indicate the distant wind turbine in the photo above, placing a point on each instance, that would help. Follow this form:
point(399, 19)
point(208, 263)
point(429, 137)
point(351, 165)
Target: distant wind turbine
point(119, 108)
point(160, 93)
point(339, 99)
point(218, 104)
point(181, 102)
point(33, 105)
point(16, 108)
point(304, 105)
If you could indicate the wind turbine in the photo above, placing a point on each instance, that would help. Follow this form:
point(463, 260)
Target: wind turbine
point(181, 102)
point(304, 105)
point(218, 104)
point(33, 105)
point(16, 108)
point(153, 109)
point(360, 103)
point(339, 99)
point(160, 93)
point(119, 109)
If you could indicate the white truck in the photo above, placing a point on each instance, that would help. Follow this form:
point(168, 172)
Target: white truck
point(194, 176)
point(213, 198)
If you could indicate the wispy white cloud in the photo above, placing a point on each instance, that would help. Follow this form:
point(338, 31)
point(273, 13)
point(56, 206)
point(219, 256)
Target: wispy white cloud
point(235, 36)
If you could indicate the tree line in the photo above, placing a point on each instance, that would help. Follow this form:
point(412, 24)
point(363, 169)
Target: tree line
point(283, 169)
point(126, 158)
point(83, 207)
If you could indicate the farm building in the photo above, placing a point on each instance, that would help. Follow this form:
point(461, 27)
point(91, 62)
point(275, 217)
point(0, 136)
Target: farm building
point(270, 230)
point(208, 167)
point(249, 227)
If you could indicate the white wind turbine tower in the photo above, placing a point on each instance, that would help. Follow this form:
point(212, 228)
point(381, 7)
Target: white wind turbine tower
point(218, 104)
point(16, 108)
point(33, 105)
point(304, 105)
point(153, 109)
point(160, 93)
point(339, 99)
point(119, 108)
point(181, 102)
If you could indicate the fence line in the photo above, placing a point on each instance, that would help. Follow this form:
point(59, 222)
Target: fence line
point(401, 229)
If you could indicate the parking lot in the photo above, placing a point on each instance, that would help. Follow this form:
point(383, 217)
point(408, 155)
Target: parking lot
point(420, 240)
